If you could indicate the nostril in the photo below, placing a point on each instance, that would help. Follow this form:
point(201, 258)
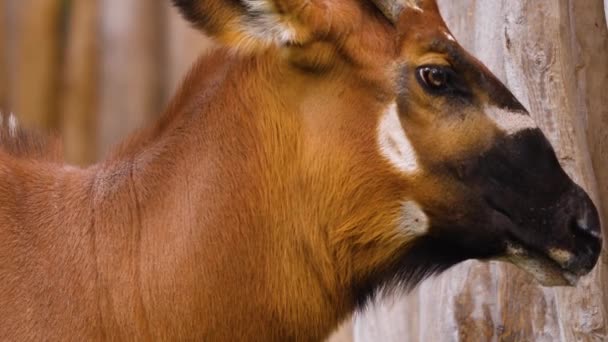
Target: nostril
point(586, 218)
point(583, 224)
point(588, 241)
point(580, 227)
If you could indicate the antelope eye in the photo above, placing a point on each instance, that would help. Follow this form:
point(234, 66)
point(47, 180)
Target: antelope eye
point(434, 78)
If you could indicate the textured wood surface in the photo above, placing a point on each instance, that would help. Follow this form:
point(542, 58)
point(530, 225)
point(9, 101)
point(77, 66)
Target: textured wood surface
point(553, 55)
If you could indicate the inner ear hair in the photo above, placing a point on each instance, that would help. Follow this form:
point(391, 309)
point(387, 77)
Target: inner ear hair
point(244, 24)
point(390, 8)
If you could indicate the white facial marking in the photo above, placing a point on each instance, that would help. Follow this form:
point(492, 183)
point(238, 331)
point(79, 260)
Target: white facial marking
point(560, 255)
point(510, 121)
point(267, 24)
point(413, 221)
point(543, 270)
point(394, 144)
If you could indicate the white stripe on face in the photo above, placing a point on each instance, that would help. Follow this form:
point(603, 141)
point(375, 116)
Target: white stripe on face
point(508, 121)
point(413, 221)
point(394, 144)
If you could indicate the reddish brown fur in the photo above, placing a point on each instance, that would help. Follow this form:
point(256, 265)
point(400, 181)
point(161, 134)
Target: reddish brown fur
point(196, 228)
point(253, 210)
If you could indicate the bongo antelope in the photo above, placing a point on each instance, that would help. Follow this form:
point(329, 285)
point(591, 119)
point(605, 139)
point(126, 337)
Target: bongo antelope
point(329, 149)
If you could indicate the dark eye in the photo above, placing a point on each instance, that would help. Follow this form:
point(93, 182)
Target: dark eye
point(435, 78)
point(443, 80)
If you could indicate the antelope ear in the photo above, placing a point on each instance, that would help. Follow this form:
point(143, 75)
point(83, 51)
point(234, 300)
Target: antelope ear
point(246, 24)
point(392, 9)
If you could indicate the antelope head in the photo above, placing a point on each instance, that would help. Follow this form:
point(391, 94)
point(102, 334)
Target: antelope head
point(416, 155)
point(486, 178)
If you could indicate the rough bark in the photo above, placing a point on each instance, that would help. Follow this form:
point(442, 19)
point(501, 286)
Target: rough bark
point(132, 67)
point(589, 44)
point(553, 55)
point(79, 86)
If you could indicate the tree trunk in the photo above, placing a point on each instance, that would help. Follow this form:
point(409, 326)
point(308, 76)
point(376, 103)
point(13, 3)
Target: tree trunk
point(79, 86)
point(3, 57)
point(552, 54)
point(184, 47)
point(606, 10)
point(132, 67)
point(36, 62)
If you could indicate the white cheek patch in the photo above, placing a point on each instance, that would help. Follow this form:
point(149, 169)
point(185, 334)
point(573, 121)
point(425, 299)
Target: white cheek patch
point(266, 24)
point(394, 144)
point(508, 121)
point(413, 221)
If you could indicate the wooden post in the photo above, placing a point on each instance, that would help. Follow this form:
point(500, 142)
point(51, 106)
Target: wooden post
point(3, 57)
point(36, 63)
point(132, 67)
point(184, 46)
point(79, 84)
point(552, 54)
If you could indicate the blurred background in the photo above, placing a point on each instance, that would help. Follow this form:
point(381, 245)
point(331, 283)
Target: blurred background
point(94, 70)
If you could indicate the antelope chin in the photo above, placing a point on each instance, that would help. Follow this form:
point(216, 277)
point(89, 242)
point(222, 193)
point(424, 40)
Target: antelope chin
point(545, 270)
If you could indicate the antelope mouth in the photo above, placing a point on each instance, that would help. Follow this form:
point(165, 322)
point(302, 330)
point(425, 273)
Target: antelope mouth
point(548, 268)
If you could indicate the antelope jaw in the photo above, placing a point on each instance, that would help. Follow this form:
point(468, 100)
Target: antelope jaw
point(544, 269)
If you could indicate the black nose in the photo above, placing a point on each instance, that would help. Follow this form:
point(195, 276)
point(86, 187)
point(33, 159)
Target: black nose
point(586, 232)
